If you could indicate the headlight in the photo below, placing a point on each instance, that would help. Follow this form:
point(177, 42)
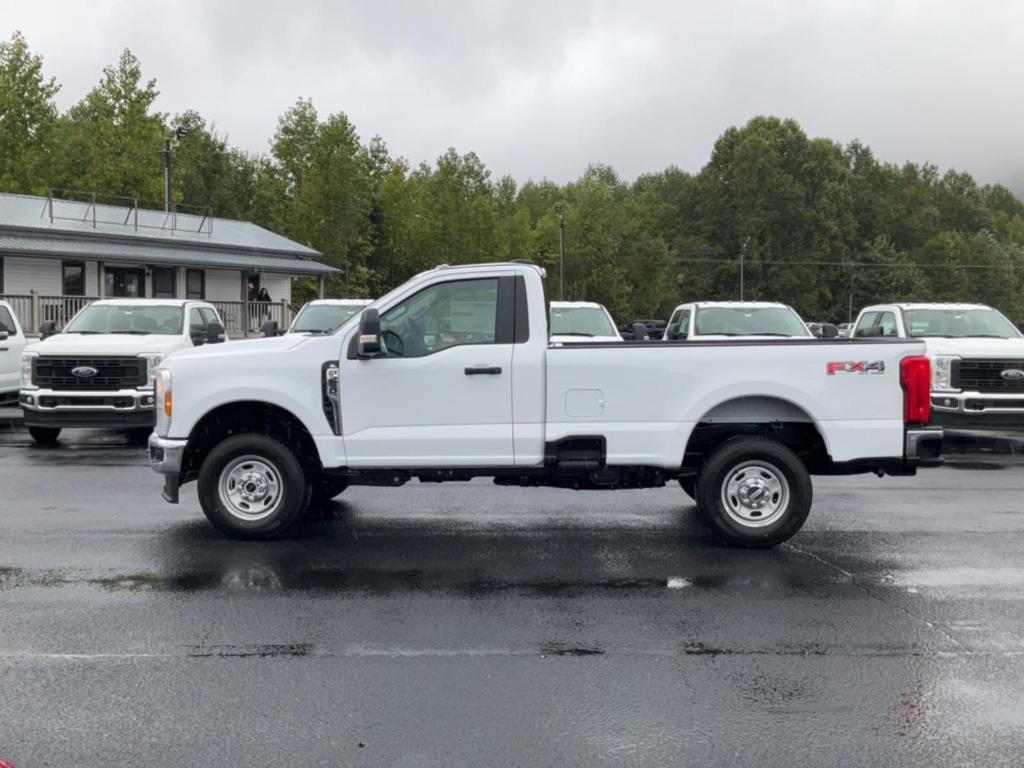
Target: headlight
point(942, 373)
point(164, 401)
point(153, 360)
point(26, 369)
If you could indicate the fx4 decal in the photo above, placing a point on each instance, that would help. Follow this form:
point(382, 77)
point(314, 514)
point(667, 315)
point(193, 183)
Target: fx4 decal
point(856, 366)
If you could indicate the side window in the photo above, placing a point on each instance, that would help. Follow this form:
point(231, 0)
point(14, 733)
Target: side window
point(865, 322)
point(441, 316)
point(887, 320)
point(684, 324)
point(7, 322)
point(196, 324)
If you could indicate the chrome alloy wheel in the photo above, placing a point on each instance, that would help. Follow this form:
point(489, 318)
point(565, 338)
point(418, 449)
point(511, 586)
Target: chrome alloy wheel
point(250, 488)
point(755, 494)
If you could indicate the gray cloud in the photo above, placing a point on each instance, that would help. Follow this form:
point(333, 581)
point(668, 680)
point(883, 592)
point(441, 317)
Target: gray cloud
point(540, 89)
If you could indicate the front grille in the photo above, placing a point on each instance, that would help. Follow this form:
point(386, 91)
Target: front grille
point(986, 376)
point(111, 372)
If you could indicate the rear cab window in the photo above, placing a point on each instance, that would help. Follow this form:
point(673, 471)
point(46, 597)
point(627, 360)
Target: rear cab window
point(7, 324)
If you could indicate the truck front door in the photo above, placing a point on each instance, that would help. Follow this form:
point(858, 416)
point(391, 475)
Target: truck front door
point(12, 344)
point(440, 391)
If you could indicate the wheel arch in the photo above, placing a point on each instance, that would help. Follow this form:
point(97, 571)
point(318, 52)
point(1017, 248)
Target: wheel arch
point(767, 416)
point(248, 416)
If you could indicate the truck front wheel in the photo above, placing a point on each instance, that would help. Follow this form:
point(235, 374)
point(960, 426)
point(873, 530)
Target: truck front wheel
point(754, 492)
point(252, 487)
point(44, 435)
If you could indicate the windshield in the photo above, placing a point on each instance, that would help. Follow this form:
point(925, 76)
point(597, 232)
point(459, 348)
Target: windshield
point(322, 318)
point(140, 320)
point(749, 321)
point(958, 323)
point(581, 321)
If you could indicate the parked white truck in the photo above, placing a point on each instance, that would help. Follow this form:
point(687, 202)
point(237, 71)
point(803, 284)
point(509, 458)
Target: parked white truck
point(12, 344)
point(740, 320)
point(326, 315)
point(98, 372)
point(585, 321)
point(977, 358)
point(266, 426)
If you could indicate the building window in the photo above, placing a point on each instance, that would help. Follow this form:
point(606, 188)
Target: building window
point(127, 283)
point(195, 284)
point(164, 279)
point(73, 278)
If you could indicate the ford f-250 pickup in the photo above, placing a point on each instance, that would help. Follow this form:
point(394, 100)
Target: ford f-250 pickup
point(451, 376)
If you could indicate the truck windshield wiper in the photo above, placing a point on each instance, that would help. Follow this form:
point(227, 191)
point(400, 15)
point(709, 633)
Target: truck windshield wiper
point(132, 333)
point(84, 333)
point(784, 335)
point(573, 333)
point(985, 336)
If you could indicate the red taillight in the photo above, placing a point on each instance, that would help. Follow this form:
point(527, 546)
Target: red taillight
point(916, 380)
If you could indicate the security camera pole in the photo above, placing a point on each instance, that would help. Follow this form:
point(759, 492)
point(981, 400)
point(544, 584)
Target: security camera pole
point(179, 134)
point(561, 251)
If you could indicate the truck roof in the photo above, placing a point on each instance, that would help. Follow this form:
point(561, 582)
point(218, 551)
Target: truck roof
point(148, 302)
point(736, 304)
point(926, 305)
point(575, 305)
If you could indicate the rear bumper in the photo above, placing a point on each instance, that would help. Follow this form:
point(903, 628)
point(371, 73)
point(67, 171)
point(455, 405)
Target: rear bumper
point(923, 447)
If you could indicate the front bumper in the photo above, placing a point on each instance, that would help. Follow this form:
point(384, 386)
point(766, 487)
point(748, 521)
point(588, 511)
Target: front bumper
point(166, 456)
point(123, 408)
point(975, 414)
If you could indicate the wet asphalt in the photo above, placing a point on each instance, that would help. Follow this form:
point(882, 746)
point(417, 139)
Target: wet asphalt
point(465, 624)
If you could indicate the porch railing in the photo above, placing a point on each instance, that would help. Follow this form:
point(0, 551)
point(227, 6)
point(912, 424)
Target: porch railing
point(241, 322)
point(34, 309)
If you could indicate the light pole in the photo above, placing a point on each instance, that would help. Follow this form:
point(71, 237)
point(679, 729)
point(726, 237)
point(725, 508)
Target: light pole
point(561, 251)
point(180, 133)
point(743, 256)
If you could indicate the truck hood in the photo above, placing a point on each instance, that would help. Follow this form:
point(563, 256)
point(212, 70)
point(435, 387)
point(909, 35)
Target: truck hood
point(968, 347)
point(105, 344)
point(248, 347)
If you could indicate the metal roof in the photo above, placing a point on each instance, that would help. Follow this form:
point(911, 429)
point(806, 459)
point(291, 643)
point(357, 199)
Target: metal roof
point(121, 233)
point(171, 254)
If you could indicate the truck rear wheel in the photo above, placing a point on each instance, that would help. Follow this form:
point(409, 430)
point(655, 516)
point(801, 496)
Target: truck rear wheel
point(252, 487)
point(44, 435)
point(754, 492)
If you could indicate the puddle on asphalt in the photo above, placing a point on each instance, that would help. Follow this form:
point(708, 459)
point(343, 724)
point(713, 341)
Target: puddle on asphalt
point(959, 577)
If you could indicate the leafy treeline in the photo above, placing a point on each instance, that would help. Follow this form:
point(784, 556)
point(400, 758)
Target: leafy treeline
point(811, 220)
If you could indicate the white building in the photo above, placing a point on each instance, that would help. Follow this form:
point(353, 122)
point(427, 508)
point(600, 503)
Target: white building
point(58, 255)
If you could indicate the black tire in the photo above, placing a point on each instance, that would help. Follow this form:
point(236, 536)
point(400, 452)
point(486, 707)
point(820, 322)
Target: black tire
point(44, 435)
point(139, 435)
point(771, 492)
point(323, 489)
point(271, 468)
point(689, 485)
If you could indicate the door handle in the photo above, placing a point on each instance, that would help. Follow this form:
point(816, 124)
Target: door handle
point(483, 371)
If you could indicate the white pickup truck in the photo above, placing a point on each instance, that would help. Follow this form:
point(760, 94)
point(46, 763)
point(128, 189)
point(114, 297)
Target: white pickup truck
point(740, 320)
point(12, 344)
point(977, 358)
point(267, 426)
point(98, 372)
point(325, 315)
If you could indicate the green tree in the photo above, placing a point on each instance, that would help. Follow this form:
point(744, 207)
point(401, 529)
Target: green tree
point(110, 141)
point(27, 118)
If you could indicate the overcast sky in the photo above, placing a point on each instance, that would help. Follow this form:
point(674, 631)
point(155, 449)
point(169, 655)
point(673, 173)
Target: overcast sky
point(541, 89)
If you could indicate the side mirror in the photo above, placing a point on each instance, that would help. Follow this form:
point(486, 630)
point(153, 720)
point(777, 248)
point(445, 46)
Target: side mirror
point(369, 333)
point(47, 329)
point(640, 332)
point(269, 329)
point(214, 333)
point(829, 331)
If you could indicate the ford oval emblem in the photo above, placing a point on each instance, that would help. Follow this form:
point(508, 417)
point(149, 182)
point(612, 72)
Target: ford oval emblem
point(1013, 374)
point(87, 372)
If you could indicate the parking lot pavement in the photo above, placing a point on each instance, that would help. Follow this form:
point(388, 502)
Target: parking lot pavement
point(471, 625)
